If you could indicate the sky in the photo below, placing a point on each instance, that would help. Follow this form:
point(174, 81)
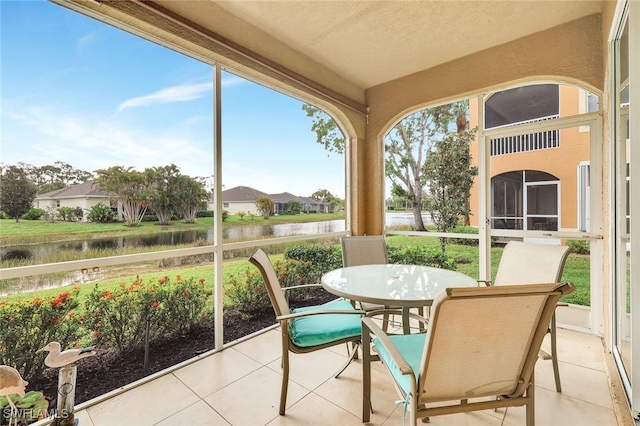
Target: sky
point(76, 90)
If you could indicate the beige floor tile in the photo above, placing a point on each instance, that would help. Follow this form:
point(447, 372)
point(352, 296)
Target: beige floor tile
point(239, 390)
point(216, 371)
point(346, 392)
point(312, 410)
point(578, 348)
point(555, 409)
point(264, 348)
point(478, 418)
point(198, 414)
point(145, 405)
point(578, 382)
point(311, 369)
point(254, 399)
point(84, 418)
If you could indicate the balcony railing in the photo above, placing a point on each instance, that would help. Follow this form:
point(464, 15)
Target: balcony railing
point(527, 142)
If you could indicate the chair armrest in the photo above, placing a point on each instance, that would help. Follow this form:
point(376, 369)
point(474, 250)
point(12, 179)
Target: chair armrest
point(323, 312)
point(296, 287)
point(396, 356)
point(397, 312)
point(485, 282)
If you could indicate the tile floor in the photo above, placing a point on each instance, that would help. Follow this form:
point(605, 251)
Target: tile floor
point(240, 386)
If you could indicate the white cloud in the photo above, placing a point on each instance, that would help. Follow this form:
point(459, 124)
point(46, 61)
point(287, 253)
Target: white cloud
point(90, 142)
point(180, 93)
point(86, 41)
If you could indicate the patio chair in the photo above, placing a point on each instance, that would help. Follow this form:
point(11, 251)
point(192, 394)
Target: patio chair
point(478, 353)
point(368, 250)
point(310, 328)
point(527, 263)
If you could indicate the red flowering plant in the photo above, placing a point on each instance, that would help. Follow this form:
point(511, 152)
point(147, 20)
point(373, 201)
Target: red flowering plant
point(118, 317)
point(292, 273)
point(28, 325)
point(185, 303)
point(247, 294)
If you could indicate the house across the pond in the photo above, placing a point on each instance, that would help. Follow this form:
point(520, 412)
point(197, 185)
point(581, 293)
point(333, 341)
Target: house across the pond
point(84, 195)
point(243, 198)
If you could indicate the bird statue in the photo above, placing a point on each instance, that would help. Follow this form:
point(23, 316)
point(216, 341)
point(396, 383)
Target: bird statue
point(57, 359)
point(11, 382)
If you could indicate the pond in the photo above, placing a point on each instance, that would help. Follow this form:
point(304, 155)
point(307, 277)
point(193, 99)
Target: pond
point(34, 252)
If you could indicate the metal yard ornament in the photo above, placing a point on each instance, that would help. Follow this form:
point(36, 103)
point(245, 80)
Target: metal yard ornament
point(66, 379)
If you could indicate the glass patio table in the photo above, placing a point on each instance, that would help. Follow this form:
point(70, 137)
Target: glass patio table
point(406, 286)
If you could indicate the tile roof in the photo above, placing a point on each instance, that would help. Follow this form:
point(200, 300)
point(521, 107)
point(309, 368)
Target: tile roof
point(85, 189)
point(241, 194)
point(248, 194)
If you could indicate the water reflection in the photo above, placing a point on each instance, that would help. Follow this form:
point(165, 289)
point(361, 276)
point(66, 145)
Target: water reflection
point(36, 252)
point(239, 233)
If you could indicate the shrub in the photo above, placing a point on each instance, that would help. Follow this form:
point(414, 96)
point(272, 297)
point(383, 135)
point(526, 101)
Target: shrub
point(149, 217)
point(417, 255)
point(467, 241)
point(247, 293)
point(293, 272)
point(185, 303)
point(205, 213)
point(322, 259)
point(78, 212)
point(579, 246)
point(66, 213)
point(100, 213)
point(118, 318)
point(3, 215)
point(28, 326)
point(33, 213)
point(225, 215)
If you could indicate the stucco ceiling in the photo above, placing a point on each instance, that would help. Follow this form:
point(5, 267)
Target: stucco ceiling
point(347, 37)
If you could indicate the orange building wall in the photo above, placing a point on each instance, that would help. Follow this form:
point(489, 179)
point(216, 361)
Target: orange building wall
point(561, 162)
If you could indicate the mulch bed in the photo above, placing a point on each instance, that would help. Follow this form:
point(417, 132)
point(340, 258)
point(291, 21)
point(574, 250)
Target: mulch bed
point(108, 371)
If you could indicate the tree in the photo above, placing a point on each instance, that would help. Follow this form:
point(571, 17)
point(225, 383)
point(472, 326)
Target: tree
point(265, 206)
point(294, 207)
point(407, 146)
point(327, 197)
point(189, 197)
point(130, 187)
point(163, 187)
point(59, 175)
point(327, 132)
point(450, 175)
point(17, 192)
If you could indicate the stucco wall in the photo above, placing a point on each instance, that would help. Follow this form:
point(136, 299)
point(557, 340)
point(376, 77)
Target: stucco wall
point(571, 53)
point(562, 162)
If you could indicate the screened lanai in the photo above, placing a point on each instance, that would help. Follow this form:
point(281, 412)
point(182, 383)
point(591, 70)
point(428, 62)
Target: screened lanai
point(370, 64)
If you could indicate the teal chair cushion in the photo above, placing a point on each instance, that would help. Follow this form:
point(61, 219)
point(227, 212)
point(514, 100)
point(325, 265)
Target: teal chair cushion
point(410, 347)
point(317, 330)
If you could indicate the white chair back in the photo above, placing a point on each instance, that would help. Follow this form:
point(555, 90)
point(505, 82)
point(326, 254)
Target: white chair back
point(528, 263)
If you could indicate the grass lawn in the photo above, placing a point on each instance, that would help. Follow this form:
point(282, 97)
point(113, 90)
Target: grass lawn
point(576, 269)
point(207, 272)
